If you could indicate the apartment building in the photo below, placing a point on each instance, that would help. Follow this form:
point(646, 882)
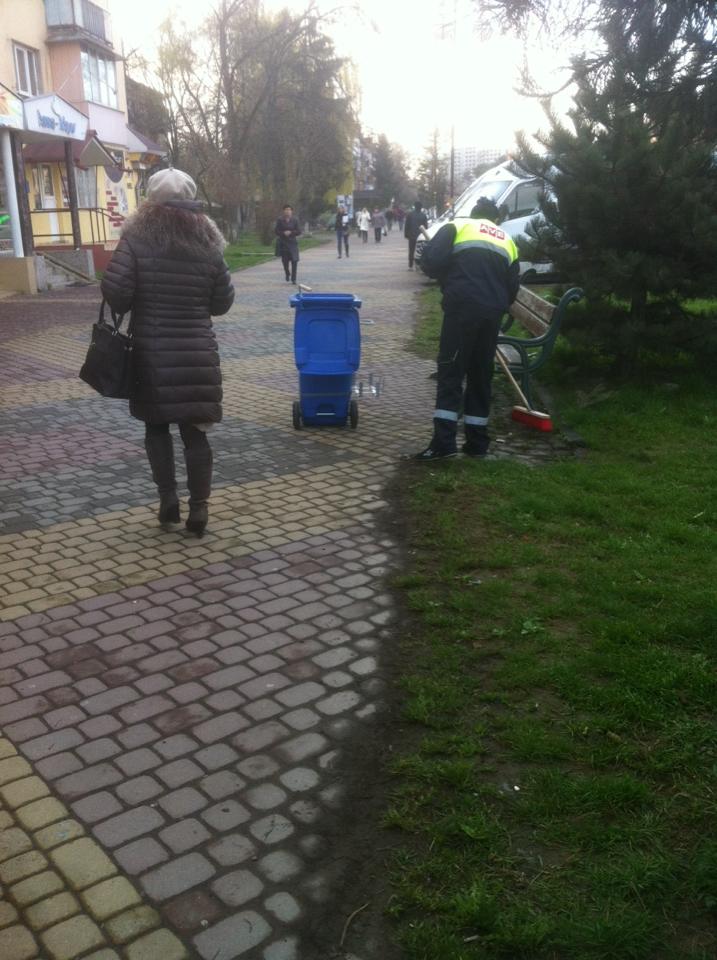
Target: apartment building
point(466, 159)
point(72, 166)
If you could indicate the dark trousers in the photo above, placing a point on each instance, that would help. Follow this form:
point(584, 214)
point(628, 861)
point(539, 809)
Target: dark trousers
point(288, 263)
point(466, 354)
point(411, 250)
point(342, 238)
point(377, 234)
point(192, 437)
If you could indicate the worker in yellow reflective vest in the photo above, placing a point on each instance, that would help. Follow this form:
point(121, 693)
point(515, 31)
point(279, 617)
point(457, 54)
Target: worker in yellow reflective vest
point(476, 264)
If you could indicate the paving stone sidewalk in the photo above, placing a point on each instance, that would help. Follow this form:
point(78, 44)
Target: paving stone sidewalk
point(176, 713)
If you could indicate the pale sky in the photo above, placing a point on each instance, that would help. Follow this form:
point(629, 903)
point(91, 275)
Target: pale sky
point(411, 79)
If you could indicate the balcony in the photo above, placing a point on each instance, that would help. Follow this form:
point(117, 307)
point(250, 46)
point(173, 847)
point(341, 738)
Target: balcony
point(78, 20)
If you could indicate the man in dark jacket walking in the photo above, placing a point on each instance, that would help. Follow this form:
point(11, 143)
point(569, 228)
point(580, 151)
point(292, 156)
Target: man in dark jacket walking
point(287, 229)
point(477, 266)
point(342, 228)
point(414, 221)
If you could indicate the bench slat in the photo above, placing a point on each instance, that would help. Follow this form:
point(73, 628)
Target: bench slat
point(527, 318)
point(536, 304)
point(509, 352)
point(531, 312)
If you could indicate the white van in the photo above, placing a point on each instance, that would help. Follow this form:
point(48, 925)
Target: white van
point(517, 196)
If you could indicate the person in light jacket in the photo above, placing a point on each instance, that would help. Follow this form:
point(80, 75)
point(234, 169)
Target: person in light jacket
point(364, 222)
point(169, 270)
point(287, 229)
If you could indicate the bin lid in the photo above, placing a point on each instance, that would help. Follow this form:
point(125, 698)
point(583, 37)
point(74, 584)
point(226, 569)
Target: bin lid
point(324, 300)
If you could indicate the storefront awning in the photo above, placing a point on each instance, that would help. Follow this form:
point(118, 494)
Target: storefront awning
point(89, 153)
point(139, 143)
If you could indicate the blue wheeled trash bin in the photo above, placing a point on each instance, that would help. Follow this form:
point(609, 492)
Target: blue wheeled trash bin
point(327, 351)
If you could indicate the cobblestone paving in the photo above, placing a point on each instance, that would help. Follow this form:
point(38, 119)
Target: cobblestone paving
point(176, 712)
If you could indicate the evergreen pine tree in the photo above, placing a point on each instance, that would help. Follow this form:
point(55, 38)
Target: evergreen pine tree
point(633, 210)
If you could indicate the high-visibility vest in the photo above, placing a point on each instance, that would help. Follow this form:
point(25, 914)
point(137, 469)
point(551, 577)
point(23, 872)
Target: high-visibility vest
point(484, 235)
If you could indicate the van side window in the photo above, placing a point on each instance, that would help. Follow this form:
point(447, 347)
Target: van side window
point(523, 200)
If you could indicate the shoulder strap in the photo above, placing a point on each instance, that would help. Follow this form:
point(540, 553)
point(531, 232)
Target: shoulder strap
point(116, 318)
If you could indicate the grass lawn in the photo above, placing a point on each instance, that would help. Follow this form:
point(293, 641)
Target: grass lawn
point(248, 250)
point(557, 796)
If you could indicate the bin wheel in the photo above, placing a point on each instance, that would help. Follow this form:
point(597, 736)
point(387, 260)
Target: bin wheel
point(296, 414)
point(353, 414)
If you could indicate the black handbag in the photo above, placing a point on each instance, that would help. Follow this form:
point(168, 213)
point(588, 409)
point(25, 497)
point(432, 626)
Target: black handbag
point(108, 364)
point(277, 247)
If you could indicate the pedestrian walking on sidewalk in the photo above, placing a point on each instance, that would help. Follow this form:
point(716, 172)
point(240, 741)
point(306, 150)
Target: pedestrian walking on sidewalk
point(287, 229)
point(379, 224)
point(414, 221)
point(168, 269)
point(364, 222)
point(342, 226)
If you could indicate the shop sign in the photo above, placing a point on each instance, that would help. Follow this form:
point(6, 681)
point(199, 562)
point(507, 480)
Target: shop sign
point(10, 109)
point(54, 116)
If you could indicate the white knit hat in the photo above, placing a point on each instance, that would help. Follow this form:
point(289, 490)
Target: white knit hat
point(170, 184)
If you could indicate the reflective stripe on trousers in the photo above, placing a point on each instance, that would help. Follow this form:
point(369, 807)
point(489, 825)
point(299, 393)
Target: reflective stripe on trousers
point(466, 356)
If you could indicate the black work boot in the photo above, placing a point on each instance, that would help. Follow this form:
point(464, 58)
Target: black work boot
point(199, 480)
point(443, 441)
point(477, 441)
point(160, 453)
point(434, 453)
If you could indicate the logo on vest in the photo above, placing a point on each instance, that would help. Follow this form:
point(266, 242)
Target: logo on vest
point(492, 231)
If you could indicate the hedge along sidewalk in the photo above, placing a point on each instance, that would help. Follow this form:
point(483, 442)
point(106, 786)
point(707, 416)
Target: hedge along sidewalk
point(558, 798)
point(248, 250)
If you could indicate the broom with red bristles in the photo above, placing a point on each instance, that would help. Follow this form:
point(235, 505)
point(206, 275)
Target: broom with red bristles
point(524, 414)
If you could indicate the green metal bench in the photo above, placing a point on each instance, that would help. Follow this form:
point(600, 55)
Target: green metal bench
point(542, 320)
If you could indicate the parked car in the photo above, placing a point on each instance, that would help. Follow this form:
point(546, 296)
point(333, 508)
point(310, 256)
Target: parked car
point(517, 196)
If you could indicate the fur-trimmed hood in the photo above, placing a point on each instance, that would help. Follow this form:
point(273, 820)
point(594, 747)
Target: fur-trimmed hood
point(175, 230)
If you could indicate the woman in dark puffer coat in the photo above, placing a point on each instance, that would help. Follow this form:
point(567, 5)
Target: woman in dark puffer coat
point(168, 268)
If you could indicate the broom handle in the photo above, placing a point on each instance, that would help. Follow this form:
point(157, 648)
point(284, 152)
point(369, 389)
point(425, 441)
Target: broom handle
point(506, 370)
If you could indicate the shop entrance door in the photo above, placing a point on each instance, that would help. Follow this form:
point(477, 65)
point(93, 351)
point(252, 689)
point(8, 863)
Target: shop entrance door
point(49, 202)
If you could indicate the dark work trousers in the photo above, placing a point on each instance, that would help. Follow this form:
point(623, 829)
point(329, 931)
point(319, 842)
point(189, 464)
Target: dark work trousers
point(289, 264)
point(377, 234)
point(192, 437)
point(411, 250)
point(467, 353)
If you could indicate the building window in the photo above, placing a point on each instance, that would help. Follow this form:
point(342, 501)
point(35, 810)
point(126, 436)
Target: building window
point(27, 70)
point(99, 78)
point(86, 187)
